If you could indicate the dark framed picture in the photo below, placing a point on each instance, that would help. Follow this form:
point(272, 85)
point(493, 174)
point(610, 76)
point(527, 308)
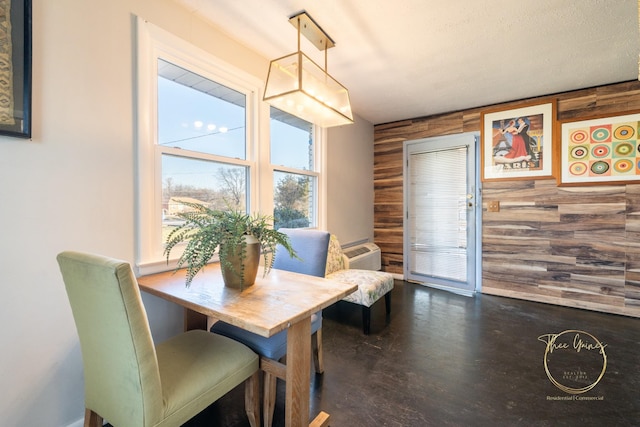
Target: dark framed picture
point(601, 150)
point(15, 68)
point(518, 143)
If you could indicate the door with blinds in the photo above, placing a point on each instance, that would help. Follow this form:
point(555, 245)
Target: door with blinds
point(440, 200)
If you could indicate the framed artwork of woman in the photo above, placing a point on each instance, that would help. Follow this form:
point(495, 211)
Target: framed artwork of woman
point(518, 143)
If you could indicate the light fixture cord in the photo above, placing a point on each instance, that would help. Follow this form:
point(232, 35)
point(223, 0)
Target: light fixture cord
point(299, 24)
point(325, 56)
point(299, 54)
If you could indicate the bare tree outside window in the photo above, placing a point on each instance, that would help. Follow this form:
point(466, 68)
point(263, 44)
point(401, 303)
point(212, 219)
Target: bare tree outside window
point(217, 186)
point(233, 188)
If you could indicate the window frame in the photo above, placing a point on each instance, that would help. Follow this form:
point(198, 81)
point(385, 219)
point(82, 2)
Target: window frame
point(153, 43)
point(315, 173)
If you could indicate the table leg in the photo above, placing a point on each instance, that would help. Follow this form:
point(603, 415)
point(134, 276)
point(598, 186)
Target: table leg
point(298, 374)
point(194, 320)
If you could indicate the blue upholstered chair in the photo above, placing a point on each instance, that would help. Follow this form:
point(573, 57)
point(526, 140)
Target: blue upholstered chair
point(128, 380)
point(311, 247)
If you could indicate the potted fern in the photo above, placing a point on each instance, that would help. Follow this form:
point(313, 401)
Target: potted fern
point(237, 237)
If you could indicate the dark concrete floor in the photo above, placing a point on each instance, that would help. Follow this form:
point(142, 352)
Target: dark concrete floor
point(450, 360)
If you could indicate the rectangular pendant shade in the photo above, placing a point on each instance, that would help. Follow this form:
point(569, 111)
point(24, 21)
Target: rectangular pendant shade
point(297, 85)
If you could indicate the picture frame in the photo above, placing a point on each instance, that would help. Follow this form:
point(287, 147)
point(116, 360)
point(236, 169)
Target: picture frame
point(518, 143)
point(600, 150)
point(15, 68)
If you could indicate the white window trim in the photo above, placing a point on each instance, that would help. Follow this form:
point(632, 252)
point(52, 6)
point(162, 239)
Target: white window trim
point(153, 42)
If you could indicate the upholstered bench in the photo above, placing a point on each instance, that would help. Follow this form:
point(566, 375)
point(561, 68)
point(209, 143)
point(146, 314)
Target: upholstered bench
point(372, 285)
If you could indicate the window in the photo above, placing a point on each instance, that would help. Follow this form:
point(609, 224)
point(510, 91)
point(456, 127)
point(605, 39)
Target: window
point(199, 123)
point(198, 114)
point(201, 138)
point(294, 171)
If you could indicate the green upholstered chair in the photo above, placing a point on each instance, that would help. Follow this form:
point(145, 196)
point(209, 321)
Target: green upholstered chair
point(128, 380)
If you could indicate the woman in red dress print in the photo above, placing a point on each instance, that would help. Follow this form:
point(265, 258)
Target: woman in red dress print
point(520, 143)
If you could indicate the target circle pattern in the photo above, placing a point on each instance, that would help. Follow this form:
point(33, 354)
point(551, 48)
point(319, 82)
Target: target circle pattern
point(601, 134)
point(623, 166)
point(600, 151)
point(599, 167)
point(624, 132)
point(624, 149)
point(579, 136)
point(578, 168)
point(579, 152)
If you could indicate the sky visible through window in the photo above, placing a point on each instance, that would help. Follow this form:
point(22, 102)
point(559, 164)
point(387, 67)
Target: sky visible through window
point(190, 119)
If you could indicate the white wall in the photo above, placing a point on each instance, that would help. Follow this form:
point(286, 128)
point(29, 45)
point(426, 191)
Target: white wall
point(350, 182)
point(72, 187)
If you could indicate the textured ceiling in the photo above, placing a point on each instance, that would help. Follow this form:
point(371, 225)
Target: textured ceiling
point(413, 58)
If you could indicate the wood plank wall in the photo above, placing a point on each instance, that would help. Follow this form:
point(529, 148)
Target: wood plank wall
point(572, 246)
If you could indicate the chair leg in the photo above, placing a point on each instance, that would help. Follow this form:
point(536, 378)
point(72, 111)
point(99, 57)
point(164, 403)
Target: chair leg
point(269, 398)
point(366, 319)
point(322, 420)
point(387, 302)
point(316, 350)
point(91, 419)
point(252, 399)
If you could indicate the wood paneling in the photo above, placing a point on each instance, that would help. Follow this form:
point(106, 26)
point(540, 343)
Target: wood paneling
point(573, 246)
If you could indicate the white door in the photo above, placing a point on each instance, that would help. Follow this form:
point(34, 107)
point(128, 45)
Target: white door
point(440, 223)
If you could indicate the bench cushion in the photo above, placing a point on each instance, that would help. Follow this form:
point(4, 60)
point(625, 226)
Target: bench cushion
point(372, 285)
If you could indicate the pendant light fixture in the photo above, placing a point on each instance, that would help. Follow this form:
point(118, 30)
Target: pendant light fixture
point(297, 85)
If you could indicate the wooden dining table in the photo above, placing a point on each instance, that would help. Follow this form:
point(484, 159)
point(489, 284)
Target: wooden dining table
point(275, 302)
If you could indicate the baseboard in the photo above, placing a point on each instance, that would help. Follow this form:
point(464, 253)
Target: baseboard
point(78, 423)
point(563, 302)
